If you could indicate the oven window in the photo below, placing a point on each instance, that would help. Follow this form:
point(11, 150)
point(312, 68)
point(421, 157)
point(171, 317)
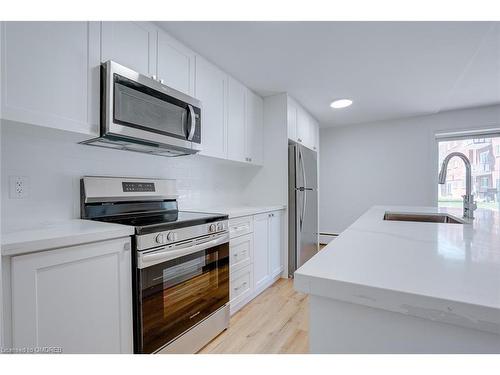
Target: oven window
point(179, 293)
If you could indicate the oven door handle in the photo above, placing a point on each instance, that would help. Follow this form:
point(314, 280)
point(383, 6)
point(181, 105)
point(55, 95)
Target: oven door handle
point(159, 256)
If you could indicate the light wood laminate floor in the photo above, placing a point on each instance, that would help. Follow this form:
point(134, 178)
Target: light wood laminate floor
point(274, 322)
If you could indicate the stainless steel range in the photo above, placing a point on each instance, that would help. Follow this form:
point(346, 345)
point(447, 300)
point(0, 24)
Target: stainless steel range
point(180, 262)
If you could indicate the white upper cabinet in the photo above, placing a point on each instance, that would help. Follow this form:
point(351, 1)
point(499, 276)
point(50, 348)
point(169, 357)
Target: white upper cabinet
point(131, 44)
point(211, 89)
point(304, 135)
point(302, 127)
point(49, 70)
point(236, 144)
point(315, 131)
point(292, 120)
point(254, 127)
point(176, 64)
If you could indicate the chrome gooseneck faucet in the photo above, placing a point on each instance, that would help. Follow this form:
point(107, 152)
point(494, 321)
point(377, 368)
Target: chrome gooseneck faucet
point(469, 204)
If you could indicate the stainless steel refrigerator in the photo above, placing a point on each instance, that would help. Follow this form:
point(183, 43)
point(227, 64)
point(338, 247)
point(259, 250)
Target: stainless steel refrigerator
point(303, 206)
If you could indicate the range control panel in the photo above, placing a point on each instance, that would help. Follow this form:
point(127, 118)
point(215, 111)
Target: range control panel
point(150, 240)
point(138, 186)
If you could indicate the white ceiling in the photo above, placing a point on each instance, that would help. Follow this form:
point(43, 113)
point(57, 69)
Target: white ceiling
point(390, 69)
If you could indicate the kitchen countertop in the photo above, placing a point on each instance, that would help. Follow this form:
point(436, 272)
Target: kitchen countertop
point(60, 234)
point(443, 272)
point(239, 211)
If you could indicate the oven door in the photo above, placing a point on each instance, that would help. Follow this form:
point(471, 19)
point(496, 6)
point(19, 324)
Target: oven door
point(138, 107)
point(179, 286)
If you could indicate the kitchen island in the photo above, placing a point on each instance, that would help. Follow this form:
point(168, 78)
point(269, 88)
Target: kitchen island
point(407, 287)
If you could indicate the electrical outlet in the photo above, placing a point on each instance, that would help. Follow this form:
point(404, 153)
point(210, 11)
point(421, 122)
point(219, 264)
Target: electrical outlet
point(19, 186)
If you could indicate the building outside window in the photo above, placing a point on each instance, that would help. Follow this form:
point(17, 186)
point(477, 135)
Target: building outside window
point(484, 155)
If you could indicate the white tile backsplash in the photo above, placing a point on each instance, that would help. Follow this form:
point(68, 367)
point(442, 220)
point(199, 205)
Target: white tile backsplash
point(55, 162)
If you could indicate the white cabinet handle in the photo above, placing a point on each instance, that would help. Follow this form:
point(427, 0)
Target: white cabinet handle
point(241, 286)
point(241, 227)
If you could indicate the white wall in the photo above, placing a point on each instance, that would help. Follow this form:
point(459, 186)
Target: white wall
point(54, 163)
point(386, 163)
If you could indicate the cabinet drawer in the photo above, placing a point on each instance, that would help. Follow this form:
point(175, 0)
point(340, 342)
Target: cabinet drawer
point(240, 252)
point(241, 282)
point(240, 226)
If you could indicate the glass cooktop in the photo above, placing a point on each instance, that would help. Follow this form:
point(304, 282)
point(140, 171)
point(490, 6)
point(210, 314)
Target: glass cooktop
point(155, 222)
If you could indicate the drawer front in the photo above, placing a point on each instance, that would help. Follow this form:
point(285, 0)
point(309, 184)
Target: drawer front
point(240, 226)
point(241, 283)
point(240, 252)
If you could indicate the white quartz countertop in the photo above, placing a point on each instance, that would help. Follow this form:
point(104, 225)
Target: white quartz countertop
point(437, 271)
point(60, 234)
point(239, 211)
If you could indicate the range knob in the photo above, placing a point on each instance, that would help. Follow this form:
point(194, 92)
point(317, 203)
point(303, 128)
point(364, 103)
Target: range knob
point(212, 228)
point(220, 226)
point(161, 238)
point(172, 236)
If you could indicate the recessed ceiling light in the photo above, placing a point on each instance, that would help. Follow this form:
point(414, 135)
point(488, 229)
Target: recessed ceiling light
point(341, 103)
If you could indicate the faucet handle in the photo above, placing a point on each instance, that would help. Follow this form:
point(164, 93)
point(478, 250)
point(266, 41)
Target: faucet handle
point(469, 206)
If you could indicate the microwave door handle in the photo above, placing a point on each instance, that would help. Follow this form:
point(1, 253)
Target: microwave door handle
point(150, 259)
point(192, 122)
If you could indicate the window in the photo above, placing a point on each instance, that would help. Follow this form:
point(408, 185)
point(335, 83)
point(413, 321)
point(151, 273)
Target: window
point(483, 154)
point(485, 181)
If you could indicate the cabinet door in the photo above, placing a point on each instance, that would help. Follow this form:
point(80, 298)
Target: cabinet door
point(236, 121)
point(131, 44)
point(240, 252)
point(49, 70)
point(211, 89)
point(315, 132)
point(292, 120)
point(275, 243)
point(77, 298)
point(254, 127)
point(240, 288)
point(303, 127)
point(261, 249)
point(175, 64)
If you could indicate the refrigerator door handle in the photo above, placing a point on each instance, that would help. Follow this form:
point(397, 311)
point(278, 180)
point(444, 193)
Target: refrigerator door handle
point(302, 188)
point(304, 200)
point(301, 160)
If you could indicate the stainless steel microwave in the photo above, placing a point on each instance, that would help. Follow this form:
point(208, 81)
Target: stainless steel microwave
point(138, 113)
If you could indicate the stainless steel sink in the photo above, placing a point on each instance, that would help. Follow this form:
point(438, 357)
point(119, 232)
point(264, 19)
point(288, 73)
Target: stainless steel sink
point(424, 218)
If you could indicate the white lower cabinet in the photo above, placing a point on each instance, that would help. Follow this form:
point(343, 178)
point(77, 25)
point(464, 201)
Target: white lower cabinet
point(261, 250)
point(268, 244)
point(77, 298)
point(241, 252)
point(256, 261)
point(241, 289)
point(276, 243)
